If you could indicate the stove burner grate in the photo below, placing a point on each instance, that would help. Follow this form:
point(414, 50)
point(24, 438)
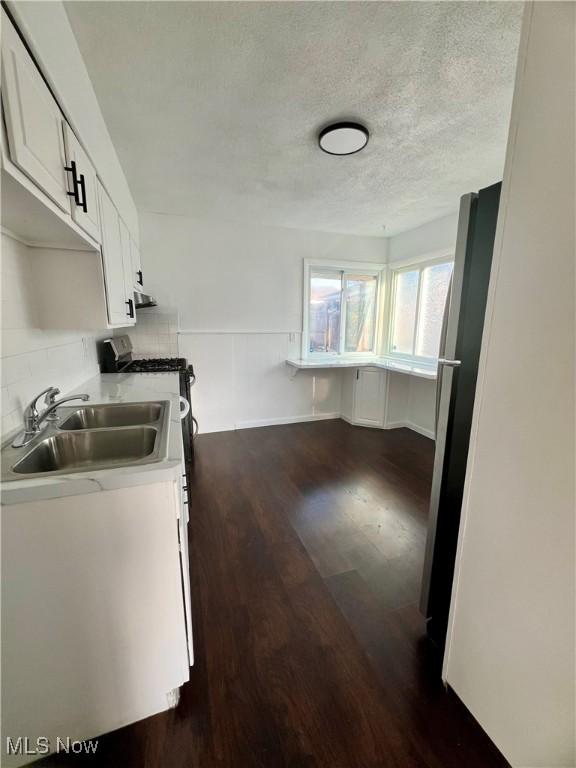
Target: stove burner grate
point(157, 365)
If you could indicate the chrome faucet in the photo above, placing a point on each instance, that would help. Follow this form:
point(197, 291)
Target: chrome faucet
point(35, 422)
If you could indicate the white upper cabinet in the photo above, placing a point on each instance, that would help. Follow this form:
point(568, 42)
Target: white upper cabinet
point(137, 276)
point(53, 199)
point(128, 271)
point(114, 246)
point(82, 185)
point(33, 119)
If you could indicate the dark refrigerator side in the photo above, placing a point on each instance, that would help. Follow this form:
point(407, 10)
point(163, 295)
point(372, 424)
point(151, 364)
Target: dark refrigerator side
point(456, 390)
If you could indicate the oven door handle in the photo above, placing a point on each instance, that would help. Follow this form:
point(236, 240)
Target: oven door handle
point(184, 408)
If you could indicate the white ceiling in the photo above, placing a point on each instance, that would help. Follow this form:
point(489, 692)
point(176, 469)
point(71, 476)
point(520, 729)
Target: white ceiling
point(214, 107)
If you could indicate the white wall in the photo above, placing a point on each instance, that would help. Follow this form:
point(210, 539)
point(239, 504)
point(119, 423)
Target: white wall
point(238, 292)
point(510, 655)
point(243, 381)
point(435, 238)
point(33, 359)
point(238, 277)
point(49, 34)
point(411, 402)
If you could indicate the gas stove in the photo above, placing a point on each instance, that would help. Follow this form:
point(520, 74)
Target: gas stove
point(116, 357)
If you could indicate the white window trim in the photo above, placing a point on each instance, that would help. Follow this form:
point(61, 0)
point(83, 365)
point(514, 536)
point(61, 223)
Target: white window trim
point(350, 267)
point(405, 266)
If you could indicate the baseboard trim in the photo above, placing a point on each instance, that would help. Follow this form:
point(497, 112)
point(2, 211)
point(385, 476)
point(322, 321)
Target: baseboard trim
point(410, 425)
point(279, 420)
point(228, 428)
point(285, 420)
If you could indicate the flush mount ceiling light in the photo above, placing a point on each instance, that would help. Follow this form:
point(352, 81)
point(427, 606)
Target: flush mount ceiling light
point(343, 138)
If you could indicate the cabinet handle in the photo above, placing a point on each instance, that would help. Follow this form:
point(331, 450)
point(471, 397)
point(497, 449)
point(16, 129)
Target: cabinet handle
point(82, 204)
point(77, 182)
point(357, 373)
point(72, 169)
point(194, 428)
point(130, 312)
point(140, 279)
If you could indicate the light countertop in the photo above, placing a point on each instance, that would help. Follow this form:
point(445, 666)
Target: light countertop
point(387, 363)
point(113, 388)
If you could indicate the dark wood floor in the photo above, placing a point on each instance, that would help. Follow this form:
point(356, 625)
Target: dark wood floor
point(306, 545)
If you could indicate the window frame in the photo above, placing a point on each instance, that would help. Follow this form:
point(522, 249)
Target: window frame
point(346, 268)
point(417, 265)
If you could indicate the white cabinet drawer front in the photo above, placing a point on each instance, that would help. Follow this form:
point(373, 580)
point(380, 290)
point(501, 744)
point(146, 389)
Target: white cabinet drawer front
point(33, 119)
point(87, 191)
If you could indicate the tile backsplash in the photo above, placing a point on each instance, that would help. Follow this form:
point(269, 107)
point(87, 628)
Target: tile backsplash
point(155, 333)
point(33, 359)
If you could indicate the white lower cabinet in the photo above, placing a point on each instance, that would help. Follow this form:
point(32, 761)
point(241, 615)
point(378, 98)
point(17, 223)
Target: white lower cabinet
point(364, 396)
point(184, 519)
point(94, 623)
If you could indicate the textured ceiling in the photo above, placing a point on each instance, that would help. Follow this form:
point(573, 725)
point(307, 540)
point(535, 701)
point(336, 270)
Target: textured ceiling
point(214, 107)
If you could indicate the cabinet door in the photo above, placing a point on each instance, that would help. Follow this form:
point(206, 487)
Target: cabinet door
point(138, 277)
point(114, 659)
point(128, 273)
point(369, 394)
point(116, 299)
point(185, 566)
point(33, 119)
point(85, 211)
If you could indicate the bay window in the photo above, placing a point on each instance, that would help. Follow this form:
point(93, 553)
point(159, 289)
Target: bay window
point(418, 296)
point(341, 308)
point(343, 316)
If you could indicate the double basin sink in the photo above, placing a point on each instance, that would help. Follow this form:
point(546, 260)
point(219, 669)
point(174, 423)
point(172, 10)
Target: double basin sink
point(92, 437)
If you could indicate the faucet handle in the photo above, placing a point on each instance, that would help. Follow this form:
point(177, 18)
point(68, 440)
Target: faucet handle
point(49, 400)
point(31, 407)
point(51, 395)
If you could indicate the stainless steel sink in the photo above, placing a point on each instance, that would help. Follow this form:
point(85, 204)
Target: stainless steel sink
point(116, 415)
point(91, 438)
point(76, 451)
